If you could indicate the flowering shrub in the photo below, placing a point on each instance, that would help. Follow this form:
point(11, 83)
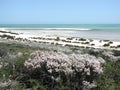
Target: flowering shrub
point(78, 69)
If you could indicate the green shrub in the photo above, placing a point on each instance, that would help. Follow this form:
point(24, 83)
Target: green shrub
point(116, 53)
point(82, 39)
point(69, 38)
point(110, 42)
point(92, 44)
point(7, 36)
point(106, 45)
point(57, 39)
point(3, 52)
point(118, 46)
point(106, 40)
point(110, 80)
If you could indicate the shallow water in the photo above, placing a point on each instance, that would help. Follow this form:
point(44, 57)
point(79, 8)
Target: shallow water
point(100, 31)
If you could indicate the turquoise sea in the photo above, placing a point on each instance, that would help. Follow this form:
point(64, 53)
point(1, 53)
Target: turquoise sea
point(88, 26)
point(104, 31)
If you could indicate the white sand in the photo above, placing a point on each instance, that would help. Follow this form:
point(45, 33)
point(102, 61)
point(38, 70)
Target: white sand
point(52, 34)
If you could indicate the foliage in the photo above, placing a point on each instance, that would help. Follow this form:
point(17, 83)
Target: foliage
point(7, 36)
point(75, 70)
point(106, 45)
point(16, 76)
point(82, 39)
point(57, 39)
point(110, 80)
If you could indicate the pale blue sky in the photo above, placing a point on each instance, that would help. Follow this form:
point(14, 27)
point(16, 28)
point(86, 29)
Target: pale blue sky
point(59, 11)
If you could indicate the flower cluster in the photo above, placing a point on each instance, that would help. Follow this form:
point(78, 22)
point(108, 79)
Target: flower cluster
point(109, 55)
point(54, 61)
point(61, 62)
point(57, 62)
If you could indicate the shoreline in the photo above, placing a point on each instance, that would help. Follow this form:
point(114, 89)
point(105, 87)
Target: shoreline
point(51, 38)
point(68, 29)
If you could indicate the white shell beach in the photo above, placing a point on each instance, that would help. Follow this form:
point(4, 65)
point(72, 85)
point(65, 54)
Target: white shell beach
point(60, 36)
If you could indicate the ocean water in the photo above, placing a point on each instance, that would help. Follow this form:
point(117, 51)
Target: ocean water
point(85, 26)
point(100, 31)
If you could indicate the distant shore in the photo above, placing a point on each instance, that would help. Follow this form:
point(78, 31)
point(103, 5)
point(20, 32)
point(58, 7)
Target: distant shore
point(57, 37)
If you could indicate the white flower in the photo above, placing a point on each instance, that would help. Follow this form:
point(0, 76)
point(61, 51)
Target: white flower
point(66, 63)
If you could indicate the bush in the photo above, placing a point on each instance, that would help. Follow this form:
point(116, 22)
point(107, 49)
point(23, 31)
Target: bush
point(118, 46)
point(110, 42)
point(7, 36)
point(3, 52)
point(106, 45)
point(110, 80)
point(55, 69)
point(57, 39)
point(69, 38)
point(116, 53)
point(82, 39)
point(92, 44)
point(106, 40)
point(85, 42)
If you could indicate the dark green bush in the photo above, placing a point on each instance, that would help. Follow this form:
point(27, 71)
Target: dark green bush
point(110, 80)
point(116, 53)
point(57, 39)
point(7, 36)
point(69, 38)
point(3, 52)
point(106, 45)
point(82, 39)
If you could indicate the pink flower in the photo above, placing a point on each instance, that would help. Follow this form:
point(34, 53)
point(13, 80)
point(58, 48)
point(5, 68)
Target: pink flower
point(66, 63)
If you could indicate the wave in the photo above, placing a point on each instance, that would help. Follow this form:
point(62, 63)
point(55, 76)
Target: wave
point(65, 29)
point(69, 29)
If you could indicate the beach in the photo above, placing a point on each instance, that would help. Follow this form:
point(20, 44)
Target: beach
point(93, 31)
point(63, 36)
point(60, 45)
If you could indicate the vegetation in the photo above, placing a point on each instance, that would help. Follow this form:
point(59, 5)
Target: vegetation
point(14, 75)
point(106, 45)
point(85, 42)
point(106, 40)
point(110, 42)
point(82, 39)
point(92, 44)
point(70, 38)
point(110, 80)
point(9, 32)
point(57, 39)
point(118, 46)
point(7, 36)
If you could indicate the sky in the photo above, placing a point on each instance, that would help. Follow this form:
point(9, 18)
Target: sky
point(59, 11)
